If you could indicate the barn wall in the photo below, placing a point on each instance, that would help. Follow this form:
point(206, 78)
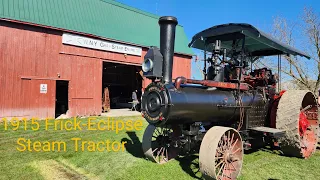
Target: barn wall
point(26, 52)
point(181, 66)
point(30, 56)
point(181, 63)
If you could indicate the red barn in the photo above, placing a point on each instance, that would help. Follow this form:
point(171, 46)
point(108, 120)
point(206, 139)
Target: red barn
point(58, 56)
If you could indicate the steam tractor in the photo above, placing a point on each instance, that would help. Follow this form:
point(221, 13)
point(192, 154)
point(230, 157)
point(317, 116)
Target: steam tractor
point(235, 108)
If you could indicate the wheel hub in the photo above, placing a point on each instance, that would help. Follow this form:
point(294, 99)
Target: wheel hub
point(307, 136)
point(228, 157)
point(163, 140)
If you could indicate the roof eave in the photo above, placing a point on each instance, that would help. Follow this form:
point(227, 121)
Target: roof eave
point(81, 33)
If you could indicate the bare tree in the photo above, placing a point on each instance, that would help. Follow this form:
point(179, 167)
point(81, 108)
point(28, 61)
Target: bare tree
point(302, 72)
point(312, 31)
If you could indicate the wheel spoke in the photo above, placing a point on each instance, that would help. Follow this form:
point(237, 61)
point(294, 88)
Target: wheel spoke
point(154, 150)
point(228, 170)
point(221, 169)
point(233, 166)
point(234, 144)
point(231, 139)
point(163, 150)
point(220, 143)
point(230, 173)
point(236, 151)
point(228, 138)
point(158, 153)
point(162, 132)
point(167, 158)
point(220, 150)
point(157, 132)
point(219, 164)
point(224, 140)
point(224, 175)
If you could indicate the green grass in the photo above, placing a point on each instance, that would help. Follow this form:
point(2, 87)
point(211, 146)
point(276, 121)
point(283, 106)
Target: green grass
point(129, 164)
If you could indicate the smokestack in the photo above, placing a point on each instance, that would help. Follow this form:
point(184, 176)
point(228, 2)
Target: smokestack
point(167, 38)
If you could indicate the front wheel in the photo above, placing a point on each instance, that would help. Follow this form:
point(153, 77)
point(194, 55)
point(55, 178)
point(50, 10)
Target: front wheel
point(221, 153)
point(160, 144)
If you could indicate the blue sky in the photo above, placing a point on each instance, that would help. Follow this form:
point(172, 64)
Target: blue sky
point(197, 15)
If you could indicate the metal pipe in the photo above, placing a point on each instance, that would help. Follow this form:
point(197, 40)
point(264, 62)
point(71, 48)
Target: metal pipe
point(209, 83)
point(242, 59)
point(179, 81)
point(167, 39)
point(280, 74)
point(205, 61)
point(217, 84)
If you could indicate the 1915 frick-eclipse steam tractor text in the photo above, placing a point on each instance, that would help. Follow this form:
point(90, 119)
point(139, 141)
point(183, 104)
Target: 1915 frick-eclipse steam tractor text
point(235, 108)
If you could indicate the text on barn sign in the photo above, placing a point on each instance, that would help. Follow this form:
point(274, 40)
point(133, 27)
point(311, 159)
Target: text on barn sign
point(81, 41)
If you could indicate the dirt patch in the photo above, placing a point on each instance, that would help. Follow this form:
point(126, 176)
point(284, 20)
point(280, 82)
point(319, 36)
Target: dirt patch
point(53, 170)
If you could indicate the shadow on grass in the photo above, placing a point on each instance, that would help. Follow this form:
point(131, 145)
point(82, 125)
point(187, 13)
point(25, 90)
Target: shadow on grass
point(133, 145)
point(188, 163)
point(270, 149)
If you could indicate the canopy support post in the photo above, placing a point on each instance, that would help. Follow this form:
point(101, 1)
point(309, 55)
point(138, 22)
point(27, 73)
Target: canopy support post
point(205, 61)
point(279, 72)
point(251, 64)
point(242, 59)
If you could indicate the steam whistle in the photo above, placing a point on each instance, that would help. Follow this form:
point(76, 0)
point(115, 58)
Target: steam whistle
point(217, 47)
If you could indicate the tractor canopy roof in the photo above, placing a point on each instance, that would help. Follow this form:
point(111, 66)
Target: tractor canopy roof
point(257, 43)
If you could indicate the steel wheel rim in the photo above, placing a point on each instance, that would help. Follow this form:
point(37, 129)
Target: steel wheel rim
point(220, 147)
point(228, 157)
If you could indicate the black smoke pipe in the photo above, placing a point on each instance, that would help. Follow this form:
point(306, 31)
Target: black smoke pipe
point(167, 38)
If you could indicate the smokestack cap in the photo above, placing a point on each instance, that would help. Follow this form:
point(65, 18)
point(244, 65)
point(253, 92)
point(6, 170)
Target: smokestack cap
point(168, 19)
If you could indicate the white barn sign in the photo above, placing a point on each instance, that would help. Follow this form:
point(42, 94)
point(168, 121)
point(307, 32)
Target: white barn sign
point(82, 41)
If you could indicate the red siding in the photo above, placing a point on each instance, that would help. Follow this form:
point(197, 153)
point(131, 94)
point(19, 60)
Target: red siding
point(85, 87)
point(181, 66)
point(30, 56)
point(33, 102)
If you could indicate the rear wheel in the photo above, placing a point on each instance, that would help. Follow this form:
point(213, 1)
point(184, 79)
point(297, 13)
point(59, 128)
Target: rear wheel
point(221, 153)
point(297, 114)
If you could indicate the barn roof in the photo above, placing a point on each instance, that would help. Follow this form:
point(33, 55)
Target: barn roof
point(103, 18)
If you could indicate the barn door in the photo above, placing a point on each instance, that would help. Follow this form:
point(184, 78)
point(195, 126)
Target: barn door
point(62, 98)
point(38, 98)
